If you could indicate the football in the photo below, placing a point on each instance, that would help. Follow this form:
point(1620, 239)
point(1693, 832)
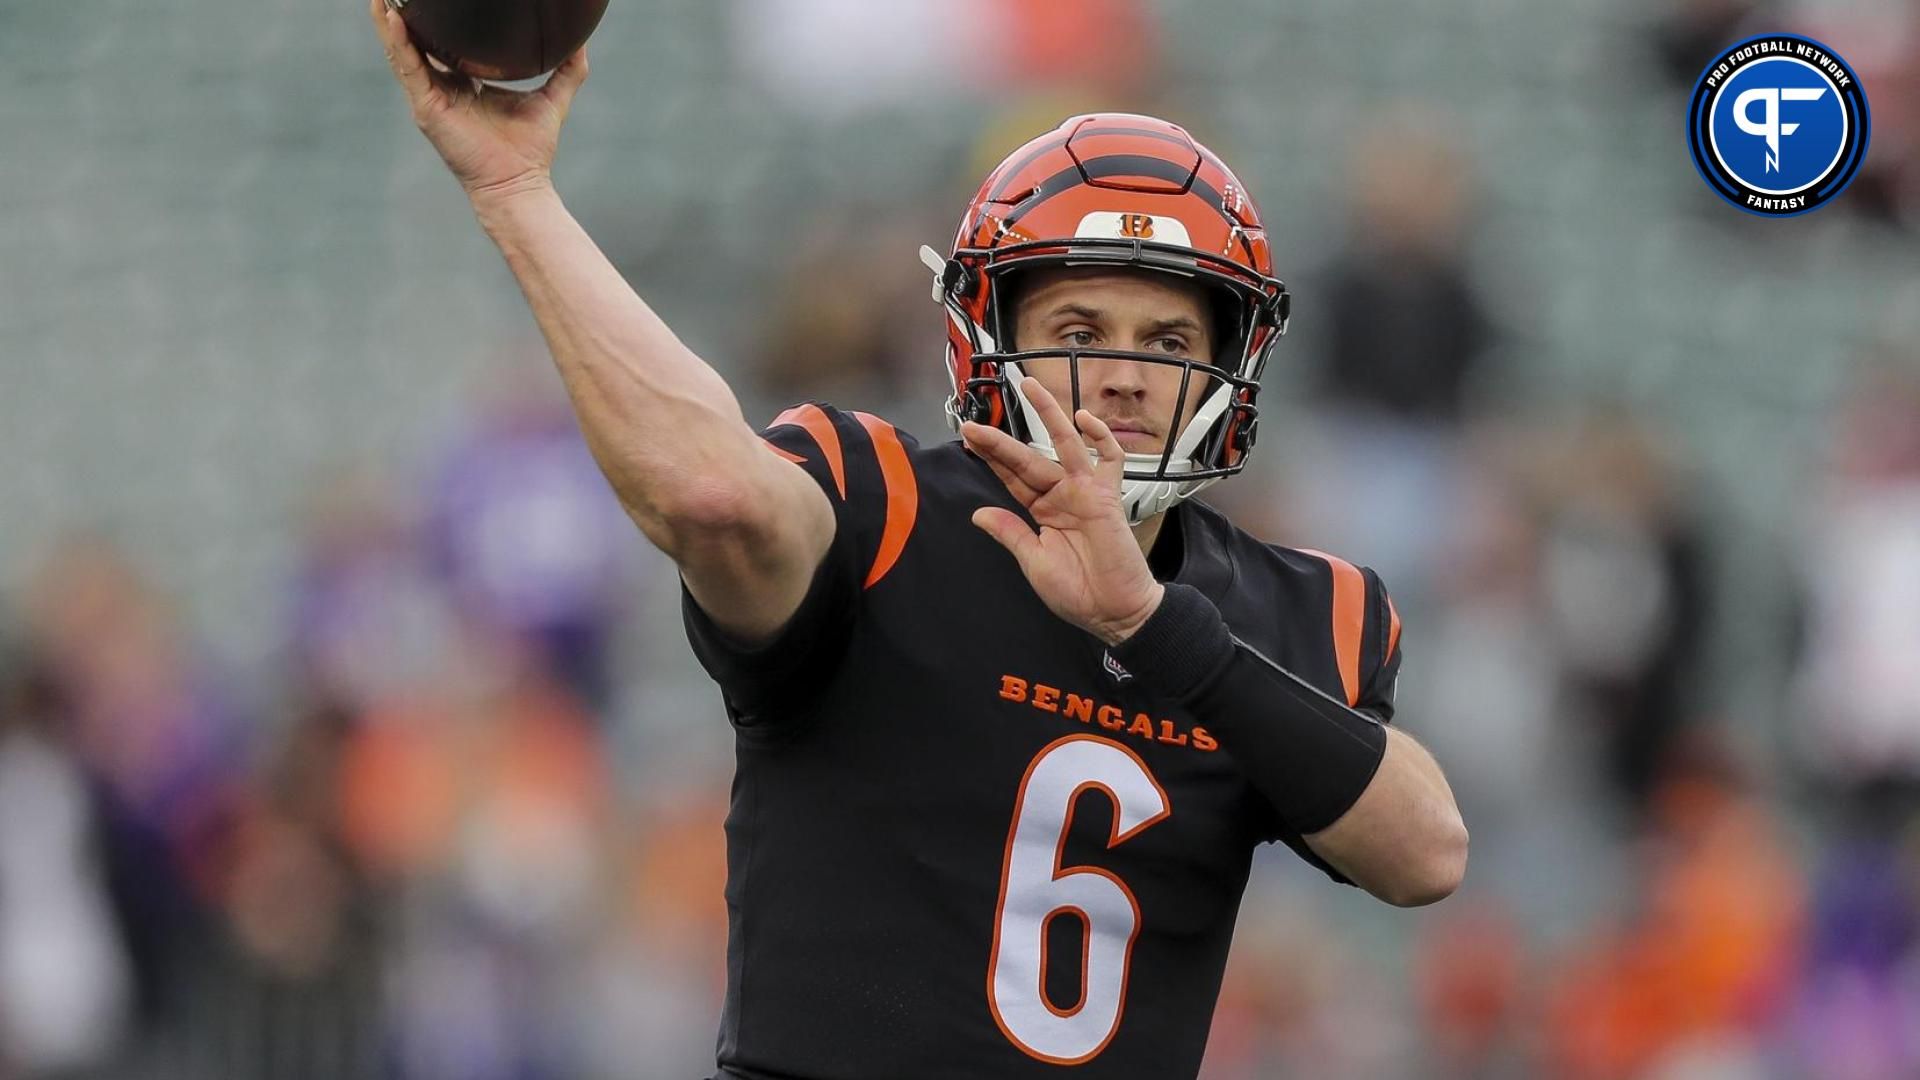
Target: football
point(500, 39)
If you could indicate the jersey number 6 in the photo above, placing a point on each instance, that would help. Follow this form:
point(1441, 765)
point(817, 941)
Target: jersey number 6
point(1035, 889)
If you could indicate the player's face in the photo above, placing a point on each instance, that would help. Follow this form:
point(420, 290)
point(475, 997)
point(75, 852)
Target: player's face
point(1105, 308)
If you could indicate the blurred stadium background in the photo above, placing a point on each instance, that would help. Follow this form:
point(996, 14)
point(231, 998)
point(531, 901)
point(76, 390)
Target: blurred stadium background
point(347, 730)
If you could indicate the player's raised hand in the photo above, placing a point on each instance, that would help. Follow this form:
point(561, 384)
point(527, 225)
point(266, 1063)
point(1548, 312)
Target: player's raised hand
point(494, 140)
point(1084, 562)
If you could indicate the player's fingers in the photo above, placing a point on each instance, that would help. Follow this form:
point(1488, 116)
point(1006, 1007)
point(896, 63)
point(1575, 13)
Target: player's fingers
point(1022, 491)
point(1008, 531)
point(1066, 440)
point(391, 42)
point(1023, 461)
point(1058, 427)
point(566, 80)
point(409, 66)
point(999, 449)
point(1113, 456)
point(429, 82)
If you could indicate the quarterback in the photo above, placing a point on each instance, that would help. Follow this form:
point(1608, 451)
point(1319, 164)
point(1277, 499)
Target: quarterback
point(1011, 712)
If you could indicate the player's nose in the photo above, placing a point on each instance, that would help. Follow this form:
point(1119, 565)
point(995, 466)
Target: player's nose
point(1111, 379)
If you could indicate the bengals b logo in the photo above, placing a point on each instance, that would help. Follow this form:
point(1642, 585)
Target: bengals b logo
point(1136, 226)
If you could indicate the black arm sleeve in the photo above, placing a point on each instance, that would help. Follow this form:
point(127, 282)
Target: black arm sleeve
point(1310, 755)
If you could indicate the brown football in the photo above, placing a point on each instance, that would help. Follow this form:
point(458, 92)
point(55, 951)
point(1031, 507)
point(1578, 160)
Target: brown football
point(501, 39)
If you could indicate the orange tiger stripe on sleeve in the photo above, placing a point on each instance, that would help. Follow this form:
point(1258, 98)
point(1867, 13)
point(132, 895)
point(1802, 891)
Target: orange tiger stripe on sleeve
point(1393, 631)
point(903, 494)
point(819, 425)
point(1349, 620)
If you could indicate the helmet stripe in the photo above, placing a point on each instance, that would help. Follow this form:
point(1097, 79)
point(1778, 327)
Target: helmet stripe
point(1117, 165)
point(1012, 172)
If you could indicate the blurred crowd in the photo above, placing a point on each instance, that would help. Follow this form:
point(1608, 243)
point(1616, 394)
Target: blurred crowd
point(415, 858)
point(430, 844)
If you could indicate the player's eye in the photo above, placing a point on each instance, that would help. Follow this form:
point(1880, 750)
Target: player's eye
point(1079, 339)
point(1169, 344)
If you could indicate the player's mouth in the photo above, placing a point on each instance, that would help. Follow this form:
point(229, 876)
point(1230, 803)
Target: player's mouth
point(1134, 438)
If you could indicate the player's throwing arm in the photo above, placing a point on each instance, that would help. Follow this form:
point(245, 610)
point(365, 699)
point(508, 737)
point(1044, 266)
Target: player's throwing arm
point(746, 527)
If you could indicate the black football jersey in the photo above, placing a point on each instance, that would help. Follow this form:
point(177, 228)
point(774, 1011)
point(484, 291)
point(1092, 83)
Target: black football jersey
point(963, 842)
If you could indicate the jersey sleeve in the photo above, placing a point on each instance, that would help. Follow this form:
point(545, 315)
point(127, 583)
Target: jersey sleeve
point(863, 465)
point(1379, 651)
point(1366, 627)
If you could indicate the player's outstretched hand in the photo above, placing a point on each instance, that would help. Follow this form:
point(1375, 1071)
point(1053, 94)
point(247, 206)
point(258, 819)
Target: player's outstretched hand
point(494, 140)
point(1084, 562)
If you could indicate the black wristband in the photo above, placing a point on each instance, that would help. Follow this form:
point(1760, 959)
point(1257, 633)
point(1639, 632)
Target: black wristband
point(1180, 647)
point(1310, 755)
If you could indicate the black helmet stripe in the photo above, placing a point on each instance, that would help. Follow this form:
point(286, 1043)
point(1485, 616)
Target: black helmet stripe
point(1117, 165)
point(1013, 173)
point(1060, 143)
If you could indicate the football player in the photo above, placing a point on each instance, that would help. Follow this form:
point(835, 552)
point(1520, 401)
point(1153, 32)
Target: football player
point(1011, 712)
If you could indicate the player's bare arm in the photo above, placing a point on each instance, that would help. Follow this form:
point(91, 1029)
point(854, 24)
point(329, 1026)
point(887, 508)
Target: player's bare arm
point(746, 527)
point(1402, 839)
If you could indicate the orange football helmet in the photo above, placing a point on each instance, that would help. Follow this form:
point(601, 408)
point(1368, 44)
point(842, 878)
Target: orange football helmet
point(1122, 190)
